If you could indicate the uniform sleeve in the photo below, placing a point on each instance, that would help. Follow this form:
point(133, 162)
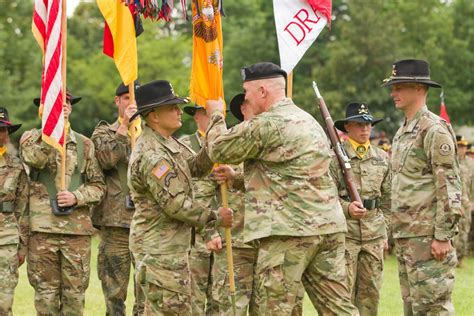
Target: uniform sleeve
point(21, 211)
point(34, 152)
point(109, 148)
point(441, 152)
point(242, 142)
point(200, 164)
point(171, 196)
point(386, 198)
point(92, 191)
point(336, 175)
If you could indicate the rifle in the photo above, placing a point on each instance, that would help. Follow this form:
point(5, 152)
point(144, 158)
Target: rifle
point(342, 158)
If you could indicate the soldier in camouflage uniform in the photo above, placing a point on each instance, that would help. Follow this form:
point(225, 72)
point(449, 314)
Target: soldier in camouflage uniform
point(114, 214)
point(59, 244)
point(13, 202)
point(426, 194)
point(461, 242)
point(200, 259)
point(367, 223)
point(244, 255)
point(291, 207)
point(160, 172)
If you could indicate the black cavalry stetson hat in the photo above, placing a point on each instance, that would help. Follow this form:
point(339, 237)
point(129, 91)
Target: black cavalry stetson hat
point(356, 112)
point(122, 89)
point(191, 109)
point(410, 70)
point(154, 94)
point(5, 121)
point(73, 99)
point(235, 104)
point(262, 71)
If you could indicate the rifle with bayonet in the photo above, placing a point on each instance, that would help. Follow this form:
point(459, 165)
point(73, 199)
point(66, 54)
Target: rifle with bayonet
point(342, 158)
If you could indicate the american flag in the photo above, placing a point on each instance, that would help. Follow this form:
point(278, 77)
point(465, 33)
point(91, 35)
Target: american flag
point(46, 29)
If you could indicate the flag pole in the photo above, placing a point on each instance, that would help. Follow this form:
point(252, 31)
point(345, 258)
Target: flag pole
point(63, 74)
point(289, 86)
point(228, 245)
point(131, 93)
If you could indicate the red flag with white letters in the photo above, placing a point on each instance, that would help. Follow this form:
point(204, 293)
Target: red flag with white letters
point(298, 24)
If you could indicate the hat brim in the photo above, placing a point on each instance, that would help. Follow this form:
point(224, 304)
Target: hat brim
point(427, 82)
point(191, 110)
point(12, 128)
point(73, 100)
point(340, 123)
point(235, 105)
point(145, 109)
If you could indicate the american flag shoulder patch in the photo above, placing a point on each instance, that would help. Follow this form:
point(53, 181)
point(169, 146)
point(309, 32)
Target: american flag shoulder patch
point(161, 169)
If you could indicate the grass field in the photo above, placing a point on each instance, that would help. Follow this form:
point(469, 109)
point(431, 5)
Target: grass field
point(390, 304)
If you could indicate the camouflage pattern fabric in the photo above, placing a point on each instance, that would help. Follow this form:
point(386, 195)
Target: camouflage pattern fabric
point(112, 151)
point(111, 216)
point(14, 226)
point(58, 270)
point(289, 191)
point(365, 236)
point(426, 283)
point(461, 241)
point(160, 181)
point(285, 264)
point(244, 262)
point(364, 261)
point(59, 255)
point(113, 266)
point(166, 283)
point(426, 187)
point(8, 277)
point(426, 204)
point(200, 259)
point(37, 154)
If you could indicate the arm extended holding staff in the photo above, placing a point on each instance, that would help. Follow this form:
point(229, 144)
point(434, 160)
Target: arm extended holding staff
point(341, 155)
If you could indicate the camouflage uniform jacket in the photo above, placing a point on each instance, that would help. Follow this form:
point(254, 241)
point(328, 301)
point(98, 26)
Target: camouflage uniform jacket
point(13, 189)
point(426, 187)
point(159, 177)
point(37, 154)
point(289, 191)
point(466, 167)
point(372, 178)
point(208, 190)
point(112, 150)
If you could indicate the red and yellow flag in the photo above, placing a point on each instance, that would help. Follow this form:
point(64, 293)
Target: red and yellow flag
point(120, 38)
point(207, 67)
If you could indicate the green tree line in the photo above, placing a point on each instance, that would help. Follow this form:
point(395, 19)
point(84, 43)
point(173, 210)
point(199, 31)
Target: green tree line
point(349, 61)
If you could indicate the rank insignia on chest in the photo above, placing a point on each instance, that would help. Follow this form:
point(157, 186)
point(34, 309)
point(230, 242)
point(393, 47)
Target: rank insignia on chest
point(161, 169)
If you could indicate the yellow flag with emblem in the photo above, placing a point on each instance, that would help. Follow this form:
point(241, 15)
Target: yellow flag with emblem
point(207, 66)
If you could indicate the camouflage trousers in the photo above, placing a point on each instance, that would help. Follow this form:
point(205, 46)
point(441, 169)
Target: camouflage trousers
point(200, 264)
point(364, 260)
point(285, 264)
point(165, 281)
point(8, 277)
point(244, 265)
point(461, 241)
point(426, 284)
point(58, 270)
point(113, 267)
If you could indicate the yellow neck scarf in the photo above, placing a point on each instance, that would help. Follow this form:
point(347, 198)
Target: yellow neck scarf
point(201, 133)
point(360, 149)
point(136, 124)
point(3, 150)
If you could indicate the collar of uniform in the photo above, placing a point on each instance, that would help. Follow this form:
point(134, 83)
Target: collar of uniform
point(352, 154)
point(3, 160)
point(282, 102)
point(71, 137)
point(169, 143)
point(200, 137)
point(409, 126)
point(114, 127)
